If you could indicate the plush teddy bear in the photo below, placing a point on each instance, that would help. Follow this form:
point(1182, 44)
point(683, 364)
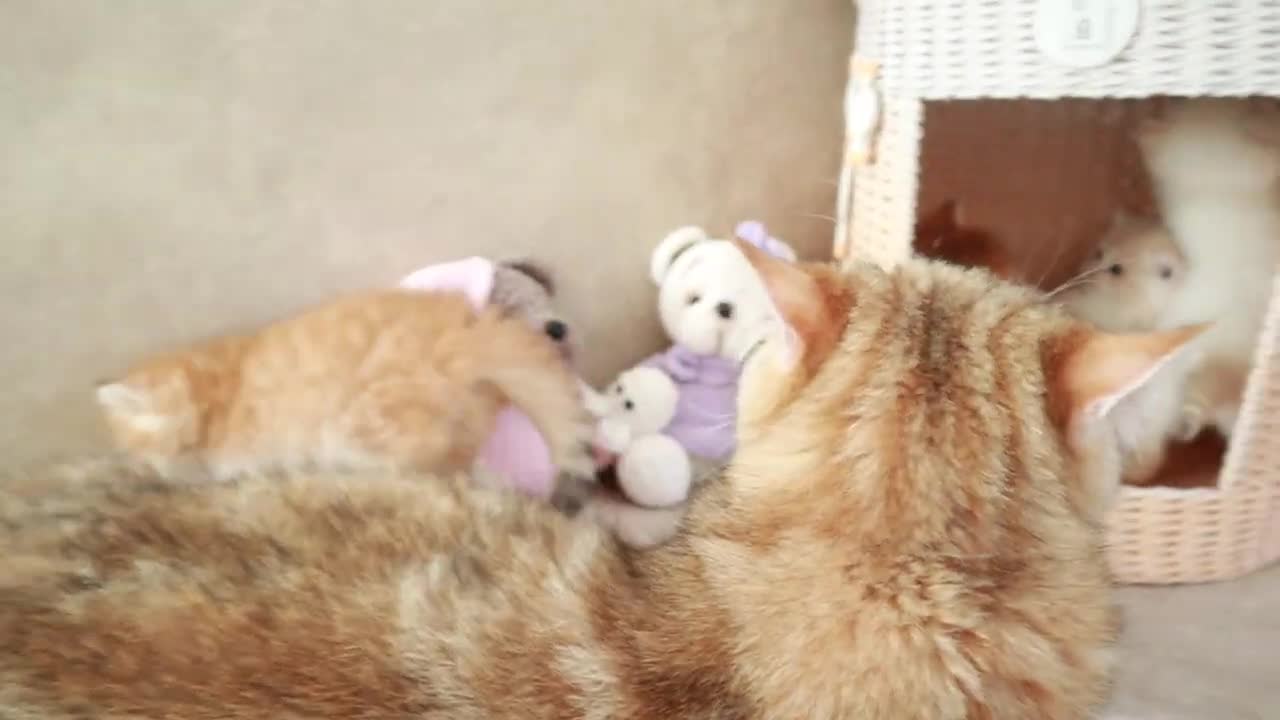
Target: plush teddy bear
point(711, 304)
point(515, 450)
point(653, 469)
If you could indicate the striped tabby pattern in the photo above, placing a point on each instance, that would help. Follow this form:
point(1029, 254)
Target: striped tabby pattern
point(907, 532)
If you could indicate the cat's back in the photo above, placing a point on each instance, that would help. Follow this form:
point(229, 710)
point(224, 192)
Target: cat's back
point(309, 384)
point(128, 595)
point(359, 336)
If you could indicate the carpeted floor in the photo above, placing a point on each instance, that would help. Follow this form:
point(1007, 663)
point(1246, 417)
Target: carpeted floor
point(1201, 652)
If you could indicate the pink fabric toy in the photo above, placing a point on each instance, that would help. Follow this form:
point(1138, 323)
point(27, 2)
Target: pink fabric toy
point(515, 449)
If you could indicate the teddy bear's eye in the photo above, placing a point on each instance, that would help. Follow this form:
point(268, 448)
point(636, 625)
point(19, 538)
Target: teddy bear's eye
point(693, 299)
point(1166, 272)
point(629, 405)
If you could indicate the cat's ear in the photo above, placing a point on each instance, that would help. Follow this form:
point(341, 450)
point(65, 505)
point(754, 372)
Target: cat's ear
point(935, 226)
point(1097, 374)
point(122, 399)
point(1101, 369)
point(132, 404)
point(807, 313)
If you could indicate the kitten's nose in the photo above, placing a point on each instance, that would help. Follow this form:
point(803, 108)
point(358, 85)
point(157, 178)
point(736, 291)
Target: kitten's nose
point(724, 310)
point(556, 329)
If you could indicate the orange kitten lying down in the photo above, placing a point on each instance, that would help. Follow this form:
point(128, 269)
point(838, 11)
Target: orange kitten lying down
point(910, 530)
point(404, 378)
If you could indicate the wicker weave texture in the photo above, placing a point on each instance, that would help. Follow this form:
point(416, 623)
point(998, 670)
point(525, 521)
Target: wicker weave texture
point(940, 49)
point(993, 150)
point(884, 193)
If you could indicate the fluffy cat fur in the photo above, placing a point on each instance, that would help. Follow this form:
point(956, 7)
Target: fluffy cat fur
point(1129, 280)
point(397, 377)
point(1215, 167)
point(1133, 274)
point(910, 530)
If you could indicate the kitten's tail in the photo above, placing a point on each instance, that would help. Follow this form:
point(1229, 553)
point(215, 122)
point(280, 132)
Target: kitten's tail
point(529, 372)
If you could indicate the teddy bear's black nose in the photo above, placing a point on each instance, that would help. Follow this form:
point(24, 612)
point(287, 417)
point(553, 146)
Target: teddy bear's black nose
point(724, 310)
point(556, 329)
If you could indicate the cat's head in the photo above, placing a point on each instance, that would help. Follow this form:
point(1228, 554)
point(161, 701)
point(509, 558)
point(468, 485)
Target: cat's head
point(1213, 144)
point(930, 387)
point(1130, 277)
point(150, 411)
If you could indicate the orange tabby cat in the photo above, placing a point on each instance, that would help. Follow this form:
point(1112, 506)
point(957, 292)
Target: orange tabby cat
point(409, 378)
point(909, 531)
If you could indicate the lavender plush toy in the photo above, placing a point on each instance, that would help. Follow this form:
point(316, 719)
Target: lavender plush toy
point(712, 305)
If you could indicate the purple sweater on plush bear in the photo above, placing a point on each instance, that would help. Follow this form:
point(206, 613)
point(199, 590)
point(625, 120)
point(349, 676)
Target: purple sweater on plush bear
point(704, 420)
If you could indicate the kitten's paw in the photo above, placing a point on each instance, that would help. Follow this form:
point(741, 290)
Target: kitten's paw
point(1140, 475)
point(1191, 422)
point(575, 454)
point(572, 493)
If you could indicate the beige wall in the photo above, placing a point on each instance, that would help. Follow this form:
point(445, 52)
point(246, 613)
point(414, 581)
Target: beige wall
point(172, 168)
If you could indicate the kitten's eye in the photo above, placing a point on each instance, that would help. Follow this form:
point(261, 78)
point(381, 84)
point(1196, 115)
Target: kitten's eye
point(1166, 272)
point(629, 405)
point(693, 299)
point(1116, 269)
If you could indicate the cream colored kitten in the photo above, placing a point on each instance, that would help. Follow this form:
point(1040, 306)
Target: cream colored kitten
point(1215, 165)
point(1126, 284)
point(1130, 279)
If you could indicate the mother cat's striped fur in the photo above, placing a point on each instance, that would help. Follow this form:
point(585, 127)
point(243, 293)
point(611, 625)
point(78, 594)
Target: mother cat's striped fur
point(909, 530)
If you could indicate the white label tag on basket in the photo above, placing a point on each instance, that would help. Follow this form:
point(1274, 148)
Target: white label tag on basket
point(1085, 33)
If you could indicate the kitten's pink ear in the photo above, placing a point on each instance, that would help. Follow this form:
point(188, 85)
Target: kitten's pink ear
point(133, 405)
point(1103, 369)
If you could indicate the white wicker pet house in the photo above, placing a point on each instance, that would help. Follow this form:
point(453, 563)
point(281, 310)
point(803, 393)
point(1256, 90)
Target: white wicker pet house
point(1023, 111)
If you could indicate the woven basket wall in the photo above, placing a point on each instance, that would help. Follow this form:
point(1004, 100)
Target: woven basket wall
point(1043, 154)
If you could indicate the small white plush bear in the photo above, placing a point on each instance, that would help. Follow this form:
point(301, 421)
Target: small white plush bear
point(653, 469)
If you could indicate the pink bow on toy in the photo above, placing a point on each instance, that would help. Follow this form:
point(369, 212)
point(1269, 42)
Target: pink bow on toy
point(473, 277)
point(754, 232)
point(515, 449)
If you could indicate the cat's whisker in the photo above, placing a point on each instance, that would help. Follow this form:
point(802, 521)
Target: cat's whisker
point(1052, 265)
point(1073, 282)
point(818, 216)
